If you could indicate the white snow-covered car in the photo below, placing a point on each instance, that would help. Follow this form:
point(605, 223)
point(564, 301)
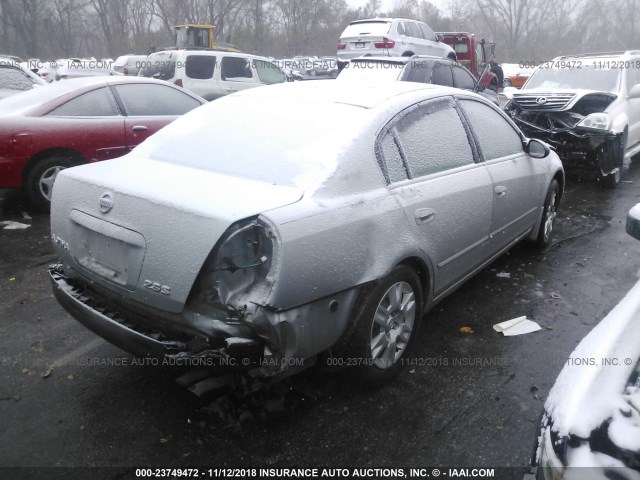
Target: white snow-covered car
point(591, 426)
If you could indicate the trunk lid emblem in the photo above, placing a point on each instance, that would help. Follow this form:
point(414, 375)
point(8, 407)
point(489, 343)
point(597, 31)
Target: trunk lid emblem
point(106, 202)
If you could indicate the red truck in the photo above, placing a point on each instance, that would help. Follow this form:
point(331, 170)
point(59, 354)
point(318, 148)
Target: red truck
point(472, 53)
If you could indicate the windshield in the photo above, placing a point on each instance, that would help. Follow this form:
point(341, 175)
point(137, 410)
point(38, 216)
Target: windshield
point(371, 70)
point(586, 77)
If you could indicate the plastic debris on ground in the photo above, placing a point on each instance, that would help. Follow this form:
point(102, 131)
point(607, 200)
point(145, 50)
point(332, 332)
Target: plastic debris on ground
point(10, 225)
point(517, 326)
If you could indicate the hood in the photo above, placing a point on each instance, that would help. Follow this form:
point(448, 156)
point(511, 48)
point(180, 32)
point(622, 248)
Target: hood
point(134, 224)
point(541, 99)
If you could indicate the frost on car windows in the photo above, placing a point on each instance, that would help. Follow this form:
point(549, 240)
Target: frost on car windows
point(496, 136)
point(200, 67)
point(13, 79)
point(391, 158)
point(442, 75)
point(588, 77)
point(97, 103)
point(433, 138)
point(145, 99)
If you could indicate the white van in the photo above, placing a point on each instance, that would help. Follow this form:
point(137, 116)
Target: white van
point(212, 73)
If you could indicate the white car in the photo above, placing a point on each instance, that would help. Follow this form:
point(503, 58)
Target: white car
point(587, 107)
point(592, 414)
point(212, 73)
point(394, 37)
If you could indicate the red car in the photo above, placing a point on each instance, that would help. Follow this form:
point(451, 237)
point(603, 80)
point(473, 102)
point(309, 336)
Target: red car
point(78, 121)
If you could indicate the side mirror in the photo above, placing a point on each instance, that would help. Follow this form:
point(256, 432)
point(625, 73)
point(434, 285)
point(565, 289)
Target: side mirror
point(635, 91)
point(439, 37)
point(537, 149)
point(633, 218)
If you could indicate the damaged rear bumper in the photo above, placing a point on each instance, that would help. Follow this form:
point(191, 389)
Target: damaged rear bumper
point(239, 353)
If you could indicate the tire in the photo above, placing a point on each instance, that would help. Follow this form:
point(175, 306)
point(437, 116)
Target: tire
point(377, 346)
point(452, 56)
point(549, 213)
point(40, 179)
point(610, 181)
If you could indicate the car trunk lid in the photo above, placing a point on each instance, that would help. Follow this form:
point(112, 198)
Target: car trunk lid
point(143, 228)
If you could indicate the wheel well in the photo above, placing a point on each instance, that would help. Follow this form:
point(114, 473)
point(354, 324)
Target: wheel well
point(559, 177)
point(452, 56)
point(408, 54)
point(421, 269)
point(52, 152)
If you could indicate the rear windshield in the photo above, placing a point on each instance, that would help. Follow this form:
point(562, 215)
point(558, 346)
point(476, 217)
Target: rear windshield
point(376, 29)
point(161, 66)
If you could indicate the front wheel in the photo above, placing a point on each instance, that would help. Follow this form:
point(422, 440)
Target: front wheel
point(549, 214)
point(41, 177)
point(385, 328)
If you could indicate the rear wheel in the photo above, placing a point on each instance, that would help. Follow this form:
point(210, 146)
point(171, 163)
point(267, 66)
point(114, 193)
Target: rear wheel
point(549, 215)
point(41, 177)
point(385, 328)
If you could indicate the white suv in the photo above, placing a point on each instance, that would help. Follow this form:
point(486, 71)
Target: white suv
point(587, 107)
point(396, 37)
point(212, 73)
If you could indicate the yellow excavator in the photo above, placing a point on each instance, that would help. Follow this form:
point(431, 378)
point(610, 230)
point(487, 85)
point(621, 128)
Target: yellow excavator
point(192, 36)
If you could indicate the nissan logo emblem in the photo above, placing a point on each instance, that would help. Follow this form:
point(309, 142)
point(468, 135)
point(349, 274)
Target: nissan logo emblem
point(541, 100)
point(106, 203)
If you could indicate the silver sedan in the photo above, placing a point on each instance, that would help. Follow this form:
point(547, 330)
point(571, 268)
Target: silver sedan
point(259, 241)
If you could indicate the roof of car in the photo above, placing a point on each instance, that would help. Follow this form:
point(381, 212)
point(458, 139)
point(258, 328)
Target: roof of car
point(382, 58)
point(384, 19)
point(25, 101)
point(365, 94)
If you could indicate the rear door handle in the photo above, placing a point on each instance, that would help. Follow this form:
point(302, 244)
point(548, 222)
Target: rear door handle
point(424, 215)
point(140, 128)
point(500, 190)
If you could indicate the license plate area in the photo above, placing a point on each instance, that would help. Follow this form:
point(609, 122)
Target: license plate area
point(108, 250)
point(359, 45)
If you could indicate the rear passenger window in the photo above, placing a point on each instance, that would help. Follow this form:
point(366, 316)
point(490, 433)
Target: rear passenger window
point(418, 72)
point(463, 79)
point(495, 134)
point(97, 103)
point(442, 75)
point(200, 67)
point(401, 30)
point(433, 139)
point(235, 69)
point(14, 79)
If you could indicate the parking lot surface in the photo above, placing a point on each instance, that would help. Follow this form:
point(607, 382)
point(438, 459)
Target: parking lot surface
point(468, 398)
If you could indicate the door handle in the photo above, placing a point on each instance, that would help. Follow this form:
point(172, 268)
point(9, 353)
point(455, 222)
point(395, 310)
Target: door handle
point(500, 191)
point(424, 215)
point(140, 128)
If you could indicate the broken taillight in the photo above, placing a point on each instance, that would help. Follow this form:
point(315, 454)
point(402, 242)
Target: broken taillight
point(385, 43)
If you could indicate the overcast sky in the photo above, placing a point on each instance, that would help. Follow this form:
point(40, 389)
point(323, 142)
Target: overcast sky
point(389, 4)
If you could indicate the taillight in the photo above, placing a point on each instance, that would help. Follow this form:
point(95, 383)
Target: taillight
point(342, 46)
point(126, 71)
point(178, 82)
point(385, 43)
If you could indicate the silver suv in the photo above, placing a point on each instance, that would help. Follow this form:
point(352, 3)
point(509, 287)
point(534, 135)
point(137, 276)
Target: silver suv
point(212, 73)
point(587, 107)
point(395, 37)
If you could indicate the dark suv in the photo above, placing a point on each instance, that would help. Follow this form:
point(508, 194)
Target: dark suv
point(419, 68)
